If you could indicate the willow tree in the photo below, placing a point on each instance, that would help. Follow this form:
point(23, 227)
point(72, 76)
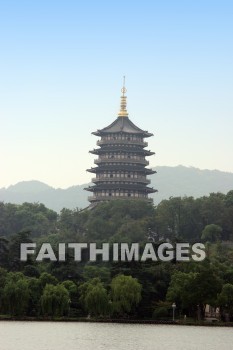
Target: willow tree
point(125, 294)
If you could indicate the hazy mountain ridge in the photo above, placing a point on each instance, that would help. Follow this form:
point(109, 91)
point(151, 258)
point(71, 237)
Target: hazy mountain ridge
point(170, 181)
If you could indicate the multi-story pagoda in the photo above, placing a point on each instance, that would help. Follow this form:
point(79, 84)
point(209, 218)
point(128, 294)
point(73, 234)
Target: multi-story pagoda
point(121, 171)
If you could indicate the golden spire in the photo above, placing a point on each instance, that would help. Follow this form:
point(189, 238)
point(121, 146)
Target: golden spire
point(123, 111)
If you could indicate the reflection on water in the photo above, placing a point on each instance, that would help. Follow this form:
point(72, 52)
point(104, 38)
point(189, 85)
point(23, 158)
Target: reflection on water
point(101, 336)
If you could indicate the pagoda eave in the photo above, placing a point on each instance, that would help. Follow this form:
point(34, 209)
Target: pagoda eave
point(105, 132)
point(103, 150)
point(132, 187)
point(100, 169)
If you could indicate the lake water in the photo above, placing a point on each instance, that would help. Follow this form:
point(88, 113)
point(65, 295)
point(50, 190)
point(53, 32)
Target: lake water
point(101, 336)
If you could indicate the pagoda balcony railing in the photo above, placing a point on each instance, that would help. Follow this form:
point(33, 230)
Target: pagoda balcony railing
point(121, 160)
point(119, 179)
point(110, 198)
point(123, 142)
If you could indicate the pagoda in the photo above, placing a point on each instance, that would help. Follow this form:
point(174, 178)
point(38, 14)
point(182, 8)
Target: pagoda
point(121, 171)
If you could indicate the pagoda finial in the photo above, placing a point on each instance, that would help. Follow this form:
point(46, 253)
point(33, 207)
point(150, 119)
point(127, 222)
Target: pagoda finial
point(123, 111)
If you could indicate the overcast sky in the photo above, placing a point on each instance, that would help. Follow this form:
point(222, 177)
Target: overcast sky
point(61, 68)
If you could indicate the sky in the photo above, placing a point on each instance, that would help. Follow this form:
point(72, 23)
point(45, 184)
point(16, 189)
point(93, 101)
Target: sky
point(61, 69)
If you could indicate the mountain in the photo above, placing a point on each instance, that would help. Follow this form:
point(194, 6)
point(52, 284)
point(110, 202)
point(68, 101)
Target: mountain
point(36, 191)
point(170, 181)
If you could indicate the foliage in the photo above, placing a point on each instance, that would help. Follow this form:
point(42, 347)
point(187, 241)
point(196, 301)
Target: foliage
point(125, 293)
point(94, 297)
point(118, 288)
point(160, 313)
point(16, 294)
point(211, 233)
point(46, 278)
point(191, 289)
point(33, 217)
point(225, 298)
point(91, 271)
point(55, 300)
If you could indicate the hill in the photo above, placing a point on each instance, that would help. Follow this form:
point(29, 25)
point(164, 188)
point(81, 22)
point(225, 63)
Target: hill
point(170, 181)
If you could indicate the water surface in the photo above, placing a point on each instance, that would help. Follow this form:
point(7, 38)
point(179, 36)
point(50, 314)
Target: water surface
point(102, 336)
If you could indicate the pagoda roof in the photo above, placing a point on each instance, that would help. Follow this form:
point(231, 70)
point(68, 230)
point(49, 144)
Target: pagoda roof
point(121, 186)
point(124, 125)
point(121, 149)
point(121, 168)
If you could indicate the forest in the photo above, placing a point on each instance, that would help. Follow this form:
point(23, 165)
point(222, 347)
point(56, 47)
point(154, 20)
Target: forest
point(118, 290)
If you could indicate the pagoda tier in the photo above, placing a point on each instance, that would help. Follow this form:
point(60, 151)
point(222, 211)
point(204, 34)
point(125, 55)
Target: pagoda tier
point(121, 171)
point(120, 185)
point(120, 150)
point(122, 125)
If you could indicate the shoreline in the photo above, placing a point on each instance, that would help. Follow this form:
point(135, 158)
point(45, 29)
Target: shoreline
point(119, 321)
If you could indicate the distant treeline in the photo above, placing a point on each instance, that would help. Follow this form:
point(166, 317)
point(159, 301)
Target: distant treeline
point(118, 289)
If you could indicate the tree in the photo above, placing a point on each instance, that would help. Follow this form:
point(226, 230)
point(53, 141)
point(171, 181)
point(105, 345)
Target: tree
point(47, 278)
point(3, 276)
point(162, 310)
point(55, 300)
point(193, 290)
point(211, 233)
point(4, 251)
point(225, 298)
point(96, 300)
point(125, 293)
point(16, 294)
point(14, 249)
point(180, 290)
point(91, 271)
point(94, 297)
point(35, 293)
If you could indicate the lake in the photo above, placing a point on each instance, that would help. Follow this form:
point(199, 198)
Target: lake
point(16, 335)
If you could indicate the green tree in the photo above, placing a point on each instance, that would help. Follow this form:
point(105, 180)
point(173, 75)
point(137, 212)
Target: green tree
point(193, 290)
point(225, 298)
point(3, 277)
point(96, 300)
point(94, 297)
point(35, 292)
point(14, 250)
point(211, 233)
point(4, 251)
point(161, 310)
point(125, 293)
point(55, 300)
point(47, 278)
point(91, 271)
point(16, 294)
